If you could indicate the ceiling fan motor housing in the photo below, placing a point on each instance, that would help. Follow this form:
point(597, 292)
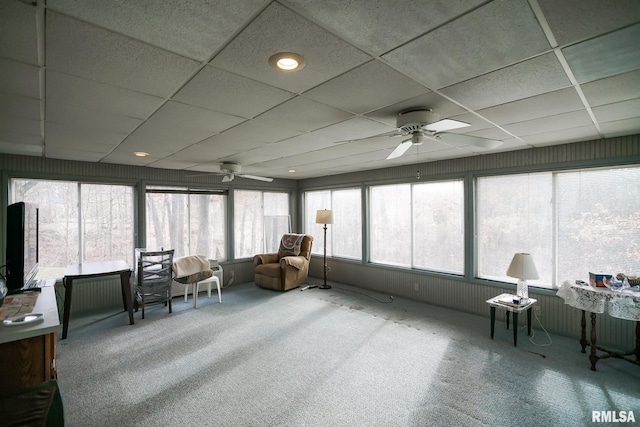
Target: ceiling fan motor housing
point(230, 167)
point(415, 120)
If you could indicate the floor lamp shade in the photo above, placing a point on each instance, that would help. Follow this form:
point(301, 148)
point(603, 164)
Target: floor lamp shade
point(324, 216)
point(523, 268)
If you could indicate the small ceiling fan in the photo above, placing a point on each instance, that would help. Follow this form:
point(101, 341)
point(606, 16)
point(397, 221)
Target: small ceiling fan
point(231, 170)
point(423, 123)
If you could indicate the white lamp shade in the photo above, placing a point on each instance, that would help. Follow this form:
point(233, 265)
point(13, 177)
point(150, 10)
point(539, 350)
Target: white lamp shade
point(523, 267)
point(324, 216)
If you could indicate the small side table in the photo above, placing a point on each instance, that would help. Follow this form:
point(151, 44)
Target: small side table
point(511, 308)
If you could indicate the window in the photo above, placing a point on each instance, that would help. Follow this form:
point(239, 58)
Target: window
point(190, 221)
point(79, 222)
point(250, 209)
point(344, 236)
point(419, 225)
point(572, 222)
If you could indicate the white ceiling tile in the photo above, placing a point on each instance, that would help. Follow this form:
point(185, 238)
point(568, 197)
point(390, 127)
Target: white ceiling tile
point(73, 153)
point(575, 20)
point(12, 106)
point(16, 125)
point(621, 127)
point(529, 78)
point(169, 163)
point(604, 56)
point(19, 79)
point(304, 115)
point(298, 144)
point(618, 111)
point(613, 89)
point(355, 128)
point(18, 40)
point(90, 119)
point(77, 48)
point(184, 124)
point(79, 92)
point(378, 26)
point(230, 93)
point(21, 146)
point(368, 87)
point(548, 104)
point(493, 36)
point(63, 136)
point(575, 134)
point(209, 150)
point(551, 123)
point(192, 28)
point(277, 29)
point(255, 132)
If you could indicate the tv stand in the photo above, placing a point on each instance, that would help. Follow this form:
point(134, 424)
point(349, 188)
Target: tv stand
point(28, 352)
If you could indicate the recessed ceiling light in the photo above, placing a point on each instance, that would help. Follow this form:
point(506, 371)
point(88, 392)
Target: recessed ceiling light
point(140, 153)
point(292, 170)
point(287, 61)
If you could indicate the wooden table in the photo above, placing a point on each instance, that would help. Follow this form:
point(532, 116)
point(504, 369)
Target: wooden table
point(89, 270)
point(624, 304)
point(498, 302)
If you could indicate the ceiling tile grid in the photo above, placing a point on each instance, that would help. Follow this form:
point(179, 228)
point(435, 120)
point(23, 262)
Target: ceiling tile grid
point(189, 81)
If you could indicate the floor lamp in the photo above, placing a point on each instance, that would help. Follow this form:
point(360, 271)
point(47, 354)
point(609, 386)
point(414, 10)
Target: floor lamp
point(324, 216)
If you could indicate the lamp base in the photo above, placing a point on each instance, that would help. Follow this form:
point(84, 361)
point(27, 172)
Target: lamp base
point(325, 286)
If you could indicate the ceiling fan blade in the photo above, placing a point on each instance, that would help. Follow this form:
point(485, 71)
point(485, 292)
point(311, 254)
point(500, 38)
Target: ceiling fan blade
point(259, 178)
point(400, 149)
point(446, 124)
point(471, 142)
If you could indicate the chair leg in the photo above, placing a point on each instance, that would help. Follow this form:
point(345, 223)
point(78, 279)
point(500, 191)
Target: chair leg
point(186, 292)
point(170, 309)
point(195, 294)
point(219, 295)
point(209, 289)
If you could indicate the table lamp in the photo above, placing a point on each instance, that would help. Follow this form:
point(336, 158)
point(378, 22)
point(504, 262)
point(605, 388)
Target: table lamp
point(324, 216)
point(522, 268)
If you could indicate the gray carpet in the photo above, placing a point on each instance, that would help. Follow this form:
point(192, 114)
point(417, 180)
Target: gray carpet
point(339, 357)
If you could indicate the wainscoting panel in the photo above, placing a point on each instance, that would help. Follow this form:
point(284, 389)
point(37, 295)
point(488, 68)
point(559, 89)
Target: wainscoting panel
point(556, 317)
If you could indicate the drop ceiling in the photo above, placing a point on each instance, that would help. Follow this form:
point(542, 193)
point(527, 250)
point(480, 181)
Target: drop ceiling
point(189, 82)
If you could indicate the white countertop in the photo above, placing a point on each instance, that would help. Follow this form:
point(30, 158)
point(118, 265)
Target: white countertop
point(46, 304)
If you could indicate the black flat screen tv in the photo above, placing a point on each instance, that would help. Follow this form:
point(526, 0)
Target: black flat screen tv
point(22, 245)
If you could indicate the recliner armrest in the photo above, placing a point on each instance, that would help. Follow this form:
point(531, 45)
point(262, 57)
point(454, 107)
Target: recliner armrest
point(265, 259)
point(297, 262)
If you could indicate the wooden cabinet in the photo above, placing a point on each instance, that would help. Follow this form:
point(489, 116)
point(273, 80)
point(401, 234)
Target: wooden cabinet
point(28, 352)
point(28, 362)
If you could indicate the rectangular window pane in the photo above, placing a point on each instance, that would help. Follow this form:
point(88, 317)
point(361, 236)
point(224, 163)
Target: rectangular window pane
point(107, 222)
point(167, 222)
point(250, 208)
point(344, 236)
point(514, 213)
point(58, 221)
point(598, 222)
point(191, 223)
point(438, 226)
point(346, 231)
point(391, 224)
point(315, 201)
point(106, 226)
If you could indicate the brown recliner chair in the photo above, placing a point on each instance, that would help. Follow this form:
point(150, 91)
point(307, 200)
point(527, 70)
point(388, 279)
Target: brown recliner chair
point(288, 268)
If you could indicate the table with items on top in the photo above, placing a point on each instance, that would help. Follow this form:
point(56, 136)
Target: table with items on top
point(506, 301)
point(622, 304)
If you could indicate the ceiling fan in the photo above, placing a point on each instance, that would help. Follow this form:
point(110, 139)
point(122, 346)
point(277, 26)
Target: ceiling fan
point(231, 170)
point(423, 123)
